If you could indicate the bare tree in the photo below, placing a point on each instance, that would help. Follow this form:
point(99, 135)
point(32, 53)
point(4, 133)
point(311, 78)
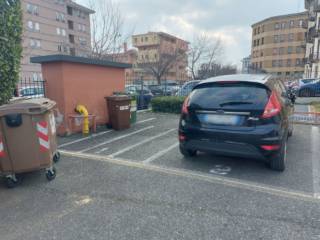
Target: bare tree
point(159, 66)
point(215, 69)
point(203, 52)
point(107, 29)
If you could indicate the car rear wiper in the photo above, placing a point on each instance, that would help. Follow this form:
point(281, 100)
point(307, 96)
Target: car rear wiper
point(235, 103)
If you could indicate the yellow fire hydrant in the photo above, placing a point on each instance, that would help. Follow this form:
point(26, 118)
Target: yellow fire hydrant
point(84, 112)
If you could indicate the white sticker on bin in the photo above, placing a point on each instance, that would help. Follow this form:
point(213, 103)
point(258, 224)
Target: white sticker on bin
point(52, 124)
point(123, 108)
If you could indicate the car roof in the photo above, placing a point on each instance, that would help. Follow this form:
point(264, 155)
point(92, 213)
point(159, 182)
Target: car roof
point(253, 78)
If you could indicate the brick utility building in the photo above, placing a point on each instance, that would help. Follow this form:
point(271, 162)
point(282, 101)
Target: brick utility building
point(312, 67)
point(53, 27)
point(151, 46)
point(279, 45)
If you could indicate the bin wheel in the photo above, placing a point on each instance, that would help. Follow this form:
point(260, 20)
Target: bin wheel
point(11, 183)
point(56, 157)
point(51, 174)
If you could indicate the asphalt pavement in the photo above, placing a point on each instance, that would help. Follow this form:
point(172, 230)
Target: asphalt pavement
point(135, 184)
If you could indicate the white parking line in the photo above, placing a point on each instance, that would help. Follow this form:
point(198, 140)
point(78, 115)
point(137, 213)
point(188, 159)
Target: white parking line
point(83, 139)
point(115, 139)
point(315, 133)
point(146, 120)
point(102, 150)
point(159, 154)
point(98, 134)
point(140, 143)
point(230, 182)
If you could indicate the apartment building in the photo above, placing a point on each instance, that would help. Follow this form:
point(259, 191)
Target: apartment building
point(53, 27)
point(246, 65)
point(312, 67)
point(279, 45)
point(151, 46)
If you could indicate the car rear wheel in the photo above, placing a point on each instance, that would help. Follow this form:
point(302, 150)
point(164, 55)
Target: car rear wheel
point(278, 161)
point(187, 152)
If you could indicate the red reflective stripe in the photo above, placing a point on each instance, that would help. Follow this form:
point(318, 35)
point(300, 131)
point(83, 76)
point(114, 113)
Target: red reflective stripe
point(44, 137)
point(43, 124)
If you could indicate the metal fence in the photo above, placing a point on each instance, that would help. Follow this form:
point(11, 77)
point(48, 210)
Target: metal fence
point(30, 88)
point(307, 118)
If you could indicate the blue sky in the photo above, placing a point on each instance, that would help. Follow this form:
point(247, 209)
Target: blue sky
point(229, 20)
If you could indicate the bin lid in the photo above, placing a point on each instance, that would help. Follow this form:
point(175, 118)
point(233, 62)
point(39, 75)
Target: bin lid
point(27, 106)
point(119, 98)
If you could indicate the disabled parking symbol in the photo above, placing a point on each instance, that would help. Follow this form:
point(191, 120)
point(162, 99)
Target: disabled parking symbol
point(221, 170)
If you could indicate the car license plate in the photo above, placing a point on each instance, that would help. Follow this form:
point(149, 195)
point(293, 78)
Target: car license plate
point(216, 119)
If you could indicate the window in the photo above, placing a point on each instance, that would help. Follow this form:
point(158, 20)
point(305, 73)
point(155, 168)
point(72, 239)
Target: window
point(262, 28)
point(60, 2)
point(258, 30)
point(280, 63)
point(63, 32)
point(291, 24)
point(276, 39)
point(283, 25)
point(301, 23)
point(37, 26)
point(135, 40)
point(299, 50)
point(71, 38)
point(298, 62)
point(32, 9)
point(290, 50)
point(258, 42)
point(58, 31)
point(277, 26)
point(30, 25)
point(261, 54)
point(262, 41)
point(69, 11)
point(35, 43)
point(275, 51)
point(274, 63)
point(60, 17)
point(289, 63)
point(254, 43)
point(70, 25)
point(281, 51)
point(291, 37)
point(282, 38)
point(146, 39)
point(82, 41)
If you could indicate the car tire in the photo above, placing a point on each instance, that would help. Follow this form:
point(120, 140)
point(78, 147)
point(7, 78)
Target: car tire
point(278, 161)
point(187, 152)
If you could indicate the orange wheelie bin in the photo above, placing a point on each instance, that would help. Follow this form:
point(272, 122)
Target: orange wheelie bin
point(27, 139)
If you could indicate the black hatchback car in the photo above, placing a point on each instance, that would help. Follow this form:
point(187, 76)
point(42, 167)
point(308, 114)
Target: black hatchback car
point(239, 116)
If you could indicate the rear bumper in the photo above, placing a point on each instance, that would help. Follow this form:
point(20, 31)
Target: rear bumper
point(246, 144)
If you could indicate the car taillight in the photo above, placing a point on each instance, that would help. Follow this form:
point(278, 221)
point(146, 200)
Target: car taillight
point(185, 106)
point(273, 107)
point(270, 147)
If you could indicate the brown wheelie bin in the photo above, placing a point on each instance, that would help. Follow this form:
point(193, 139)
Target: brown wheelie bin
point(27, 138)
point(119, 111)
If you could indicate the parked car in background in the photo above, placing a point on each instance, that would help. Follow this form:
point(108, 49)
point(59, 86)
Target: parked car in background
point(186, 89)
point(311, 89)
point(156, 90)
point(142, 93)
point(170, 89)
point(240, 116)
point(33, 92)
point(303, 82)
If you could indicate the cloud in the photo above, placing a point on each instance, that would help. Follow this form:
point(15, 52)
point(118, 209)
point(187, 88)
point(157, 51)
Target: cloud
point(229, 20)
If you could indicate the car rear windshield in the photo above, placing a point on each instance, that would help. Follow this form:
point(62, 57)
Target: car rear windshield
point(231, 96)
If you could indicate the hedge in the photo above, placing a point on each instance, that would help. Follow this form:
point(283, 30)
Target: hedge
point(167, 104)
point(10, 47)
